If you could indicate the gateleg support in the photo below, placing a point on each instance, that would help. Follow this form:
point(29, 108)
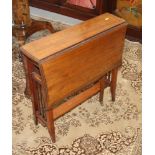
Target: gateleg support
point(102, 86)
point(113, 83)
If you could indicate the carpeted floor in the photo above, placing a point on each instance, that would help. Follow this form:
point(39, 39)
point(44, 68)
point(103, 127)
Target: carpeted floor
point(89, 129)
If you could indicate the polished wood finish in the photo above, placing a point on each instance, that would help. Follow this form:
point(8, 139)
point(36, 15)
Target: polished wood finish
point(82, 59)
point(85, 62)
point(53, 44)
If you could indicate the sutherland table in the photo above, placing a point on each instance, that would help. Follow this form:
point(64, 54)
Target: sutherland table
point(82, 59)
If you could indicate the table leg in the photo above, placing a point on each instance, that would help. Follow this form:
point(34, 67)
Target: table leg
point(30, 86)
point(113, 83)
point(102, 86)
point(50, 124)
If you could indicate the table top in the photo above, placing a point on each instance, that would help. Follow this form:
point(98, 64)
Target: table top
point(54, 43)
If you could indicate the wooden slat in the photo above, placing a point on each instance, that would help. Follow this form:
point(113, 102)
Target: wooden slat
point(75, 101)
point(42, 48)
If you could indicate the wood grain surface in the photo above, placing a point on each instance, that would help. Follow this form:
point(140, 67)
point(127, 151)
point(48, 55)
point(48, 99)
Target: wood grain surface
point(83, 64)
point(42, 48)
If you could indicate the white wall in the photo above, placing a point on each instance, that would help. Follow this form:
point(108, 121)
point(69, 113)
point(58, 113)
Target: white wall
point(53, 16)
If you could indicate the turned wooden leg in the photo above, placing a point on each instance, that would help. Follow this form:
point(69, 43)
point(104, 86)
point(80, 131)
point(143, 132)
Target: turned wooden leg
point(102, 85)
point(113, 83)
point(50, 125)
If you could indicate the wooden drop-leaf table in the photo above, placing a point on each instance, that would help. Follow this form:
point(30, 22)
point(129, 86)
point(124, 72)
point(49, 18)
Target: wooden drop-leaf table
point(83, 58)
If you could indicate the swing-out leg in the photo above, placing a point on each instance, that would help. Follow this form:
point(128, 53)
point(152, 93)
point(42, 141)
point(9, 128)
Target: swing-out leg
point(113, 83)
point(102, 86)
